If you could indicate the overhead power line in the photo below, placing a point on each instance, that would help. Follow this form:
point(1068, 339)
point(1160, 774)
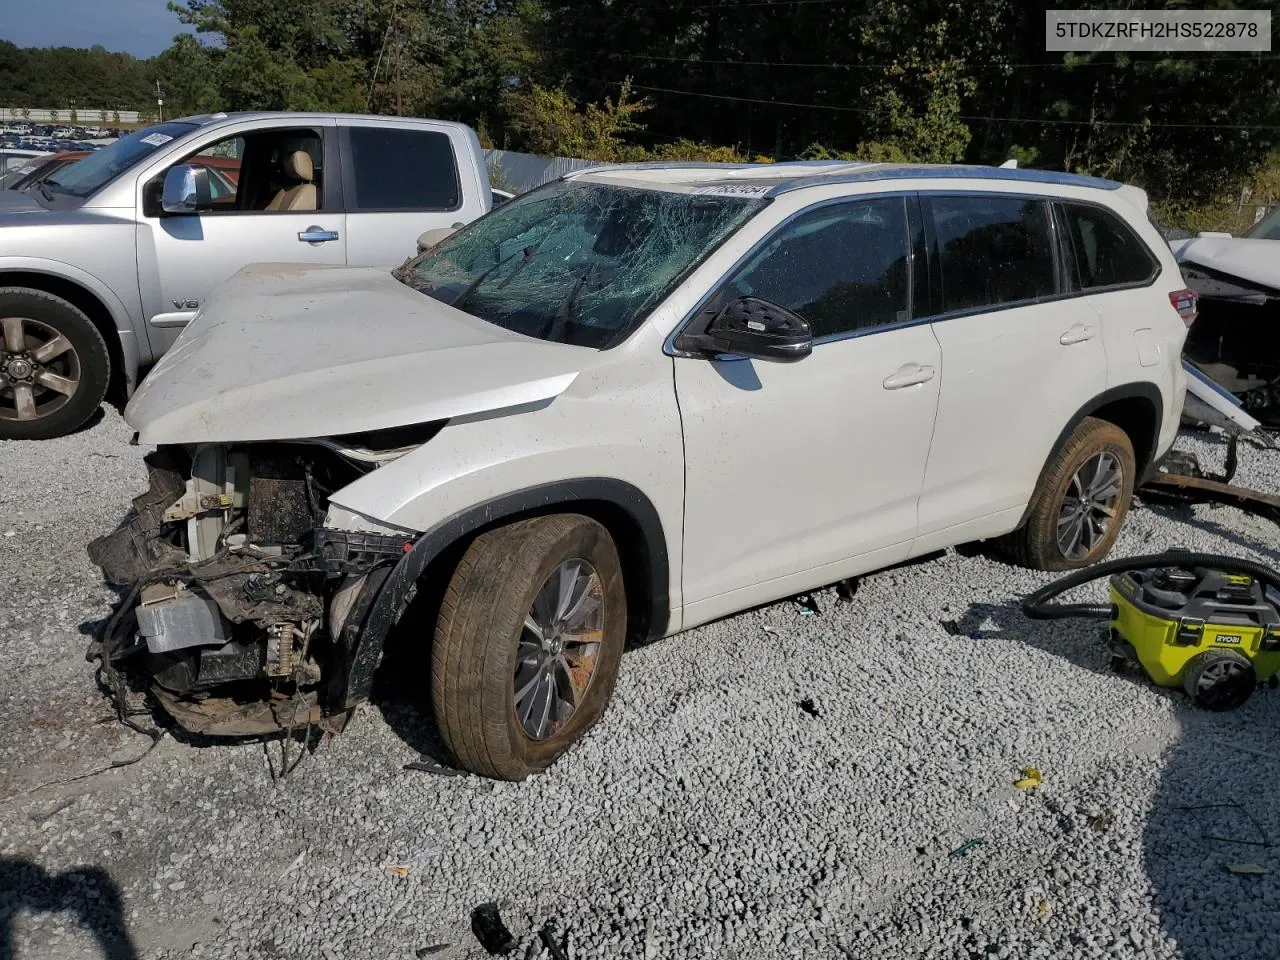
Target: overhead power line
point(841, 108)
point(968, 66)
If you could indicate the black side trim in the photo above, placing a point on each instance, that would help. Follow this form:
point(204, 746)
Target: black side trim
point(1128, 391)
point(364, 642)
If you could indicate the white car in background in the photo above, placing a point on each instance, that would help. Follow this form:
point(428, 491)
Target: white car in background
point(621, 405)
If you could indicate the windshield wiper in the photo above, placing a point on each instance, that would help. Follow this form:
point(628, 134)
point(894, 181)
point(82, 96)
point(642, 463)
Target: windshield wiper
point(569, 309)
point(43, 187)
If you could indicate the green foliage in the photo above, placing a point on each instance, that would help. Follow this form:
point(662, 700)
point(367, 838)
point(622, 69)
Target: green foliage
point(551, 122)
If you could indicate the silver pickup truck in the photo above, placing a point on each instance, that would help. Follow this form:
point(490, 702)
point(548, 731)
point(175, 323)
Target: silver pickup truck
point(102, 266)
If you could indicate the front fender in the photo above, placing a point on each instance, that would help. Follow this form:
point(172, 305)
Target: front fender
point(125, 321)
point(384, 600)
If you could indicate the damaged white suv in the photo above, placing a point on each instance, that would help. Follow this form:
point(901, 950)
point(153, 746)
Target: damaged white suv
point(625, 404)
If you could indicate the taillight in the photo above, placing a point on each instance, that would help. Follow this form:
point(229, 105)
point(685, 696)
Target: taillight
point(1184, 301)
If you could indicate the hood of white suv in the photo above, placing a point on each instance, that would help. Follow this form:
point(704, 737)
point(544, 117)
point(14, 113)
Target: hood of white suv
point(288, 351)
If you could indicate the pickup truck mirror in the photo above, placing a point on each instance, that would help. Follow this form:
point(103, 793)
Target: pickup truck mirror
point(756, 328)
point(186, 190)
point(430, 238)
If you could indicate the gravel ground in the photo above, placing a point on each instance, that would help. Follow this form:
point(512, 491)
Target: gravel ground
point(709, 815)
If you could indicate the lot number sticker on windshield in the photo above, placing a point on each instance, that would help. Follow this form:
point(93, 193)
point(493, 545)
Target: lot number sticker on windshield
point(156, 139)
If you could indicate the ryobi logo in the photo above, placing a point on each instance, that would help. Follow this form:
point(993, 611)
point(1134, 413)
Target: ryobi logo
point(1231, 639)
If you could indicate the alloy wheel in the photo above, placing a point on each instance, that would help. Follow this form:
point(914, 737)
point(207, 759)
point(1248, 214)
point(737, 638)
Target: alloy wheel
point(1090, 505)
point(39, 369)
point(558, 648)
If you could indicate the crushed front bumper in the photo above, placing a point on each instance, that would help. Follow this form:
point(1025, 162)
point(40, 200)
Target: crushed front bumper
point(257, 636)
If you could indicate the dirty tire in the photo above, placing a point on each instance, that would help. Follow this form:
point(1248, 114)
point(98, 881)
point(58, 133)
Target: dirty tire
point(481, 622)
point(86, 363)
point(1035, 544)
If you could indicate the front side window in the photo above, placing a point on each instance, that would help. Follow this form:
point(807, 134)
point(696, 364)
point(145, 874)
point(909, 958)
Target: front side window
point(1105, 251)
point(991, 250)
point(842, 267)
point(101, 167)
point(577, 262)
point(263, 171)
point(399, 169)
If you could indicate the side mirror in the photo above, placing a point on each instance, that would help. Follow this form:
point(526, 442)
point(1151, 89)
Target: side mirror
point(755, 328)
point(186, 189)
point(431, 237)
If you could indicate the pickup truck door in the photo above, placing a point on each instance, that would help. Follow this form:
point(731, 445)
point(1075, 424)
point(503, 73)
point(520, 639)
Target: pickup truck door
point(267, 208)
point(400, 179)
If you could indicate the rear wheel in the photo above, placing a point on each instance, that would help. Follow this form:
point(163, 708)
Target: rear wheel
point(528, 643)
point(1079, 504)
point(54, 365)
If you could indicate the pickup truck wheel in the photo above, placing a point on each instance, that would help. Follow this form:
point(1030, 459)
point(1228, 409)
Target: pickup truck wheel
point(528, 643)
point(54, 365)
point(1080, 502)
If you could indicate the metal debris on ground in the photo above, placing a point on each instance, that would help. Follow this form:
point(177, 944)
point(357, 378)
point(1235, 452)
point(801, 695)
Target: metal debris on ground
point(426, 764)
point(402, 868)
point(487, 925)
point(548, 937)
point(1031, 778)
point(965, 847)
point(808, 605)
point(1246, 869)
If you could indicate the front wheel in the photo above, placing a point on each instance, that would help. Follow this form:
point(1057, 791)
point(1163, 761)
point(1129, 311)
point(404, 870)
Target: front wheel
point(528, 643)
point(54, 365)
point(1080, 502)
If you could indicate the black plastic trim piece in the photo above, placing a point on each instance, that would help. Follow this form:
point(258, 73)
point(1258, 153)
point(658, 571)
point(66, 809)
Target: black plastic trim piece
point(364, 642)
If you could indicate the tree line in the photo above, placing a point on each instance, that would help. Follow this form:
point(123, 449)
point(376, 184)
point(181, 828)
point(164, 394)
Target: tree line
point(924, 80)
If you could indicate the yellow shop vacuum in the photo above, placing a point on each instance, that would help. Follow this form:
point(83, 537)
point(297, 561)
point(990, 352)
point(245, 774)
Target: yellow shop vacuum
point(1207, 623)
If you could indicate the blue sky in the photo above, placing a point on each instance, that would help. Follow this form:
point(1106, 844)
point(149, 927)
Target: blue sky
point(140, 27)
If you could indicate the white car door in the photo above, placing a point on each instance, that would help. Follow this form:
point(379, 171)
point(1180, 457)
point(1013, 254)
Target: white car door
point(399, 182)
point(1020, 357)
point(181, 258)
point(799, 474)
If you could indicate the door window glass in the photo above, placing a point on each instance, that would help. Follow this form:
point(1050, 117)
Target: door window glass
point(992, 250)
point(1106, 251)
point(399, 169)
point(843, 267)
point(264, 171)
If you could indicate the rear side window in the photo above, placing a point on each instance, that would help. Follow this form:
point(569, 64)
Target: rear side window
point(991, 250)
point(397, 169)
point(1105, 250)
point(843, 267)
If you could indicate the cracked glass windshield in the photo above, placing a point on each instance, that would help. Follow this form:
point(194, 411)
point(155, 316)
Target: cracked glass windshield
point(577, 263)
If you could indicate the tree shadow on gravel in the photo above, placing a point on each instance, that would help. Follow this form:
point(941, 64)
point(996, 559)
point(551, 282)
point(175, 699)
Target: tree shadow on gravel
point(1213, 824)
point(89, 893)
point(1216, 806)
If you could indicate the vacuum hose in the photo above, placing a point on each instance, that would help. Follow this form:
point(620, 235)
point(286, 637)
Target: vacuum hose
point(1036, 605)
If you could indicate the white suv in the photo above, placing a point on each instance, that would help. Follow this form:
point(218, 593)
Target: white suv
point(625, 404)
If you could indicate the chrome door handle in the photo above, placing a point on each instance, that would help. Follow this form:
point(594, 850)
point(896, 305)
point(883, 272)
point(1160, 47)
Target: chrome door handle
point(314, 234)
point(1077, 333)
point(908, 375)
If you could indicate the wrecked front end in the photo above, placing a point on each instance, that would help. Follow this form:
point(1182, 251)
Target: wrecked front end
point(241, 613)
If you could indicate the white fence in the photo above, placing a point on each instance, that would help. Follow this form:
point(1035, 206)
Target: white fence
point(85, 116)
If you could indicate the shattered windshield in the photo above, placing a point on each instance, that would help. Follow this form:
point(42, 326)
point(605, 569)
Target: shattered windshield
point(1268, 228)
point(577, 263)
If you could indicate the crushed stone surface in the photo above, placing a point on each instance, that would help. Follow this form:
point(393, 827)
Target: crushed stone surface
point(772, 785)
